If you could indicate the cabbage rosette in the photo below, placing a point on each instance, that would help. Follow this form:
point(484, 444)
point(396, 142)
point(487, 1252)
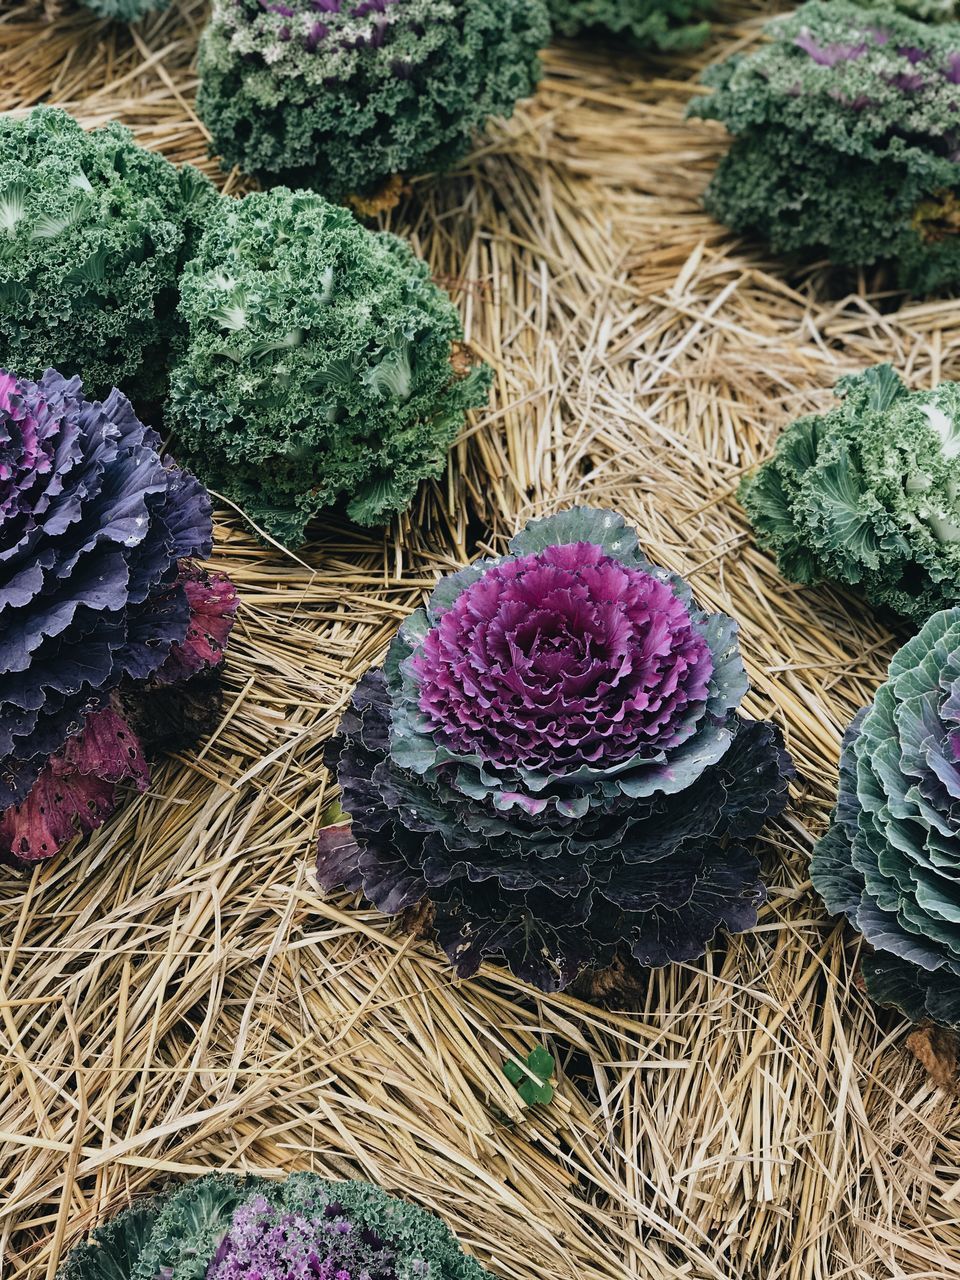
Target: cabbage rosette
point(552, 758)
point(302, 1227)
point(103, 616)
point(891, 859)
point(868, 494)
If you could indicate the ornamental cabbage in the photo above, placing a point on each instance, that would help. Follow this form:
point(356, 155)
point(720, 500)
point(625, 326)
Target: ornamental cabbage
point(868, 494)
point(659, 24)
point(318, 364)
point(846, 140)
point(552, 759)
point(102, 614)
point(93, 233)
point(302, 1228)
point(891, 858)
point(342, 95)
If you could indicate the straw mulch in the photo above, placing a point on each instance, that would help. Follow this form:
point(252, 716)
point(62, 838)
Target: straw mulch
point(177, 995)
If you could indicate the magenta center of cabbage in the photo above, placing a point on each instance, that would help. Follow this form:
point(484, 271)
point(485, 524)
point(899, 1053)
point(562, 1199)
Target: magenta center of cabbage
point(562, 659)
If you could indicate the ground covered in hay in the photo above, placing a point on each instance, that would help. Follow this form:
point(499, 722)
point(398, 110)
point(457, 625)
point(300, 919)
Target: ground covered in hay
point(177, 996)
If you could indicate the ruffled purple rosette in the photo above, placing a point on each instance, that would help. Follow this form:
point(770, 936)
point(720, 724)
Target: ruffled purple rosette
point(891, 859)
point(312, 1241)
point(553, 759)
point(98, 599)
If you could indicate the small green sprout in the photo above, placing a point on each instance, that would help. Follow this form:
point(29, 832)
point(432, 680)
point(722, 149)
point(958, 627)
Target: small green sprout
point(539, 1063)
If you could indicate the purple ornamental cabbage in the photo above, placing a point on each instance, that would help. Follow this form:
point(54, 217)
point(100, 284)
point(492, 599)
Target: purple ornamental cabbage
point(552, 758)
point(100, 607)
point(299, 1228)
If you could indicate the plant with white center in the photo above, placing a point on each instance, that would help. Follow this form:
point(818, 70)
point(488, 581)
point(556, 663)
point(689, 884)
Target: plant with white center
point(868, 494)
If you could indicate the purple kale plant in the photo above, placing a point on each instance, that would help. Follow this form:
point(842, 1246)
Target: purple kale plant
point(99, 602)
point(270, 1242)
point(302, 1228)
point(845, 140)
point(552, 758)
point(343, 95)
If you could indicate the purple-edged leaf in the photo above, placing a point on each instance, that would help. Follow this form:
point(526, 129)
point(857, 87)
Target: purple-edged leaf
point(76, 791)
point(338, 858)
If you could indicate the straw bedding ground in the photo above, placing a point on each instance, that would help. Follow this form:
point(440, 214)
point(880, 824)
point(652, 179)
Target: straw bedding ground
point(177, 996)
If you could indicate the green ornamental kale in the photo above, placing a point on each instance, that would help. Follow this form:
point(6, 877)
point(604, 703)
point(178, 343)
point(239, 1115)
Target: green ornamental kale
point(868, 494)
point(302, 1228)
point(656, 24)
point(320, 363)
point(846, 140)
point(93, 234)
point(922, 10)
point(124, 10)
point(342, 95)
point(891, 858)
